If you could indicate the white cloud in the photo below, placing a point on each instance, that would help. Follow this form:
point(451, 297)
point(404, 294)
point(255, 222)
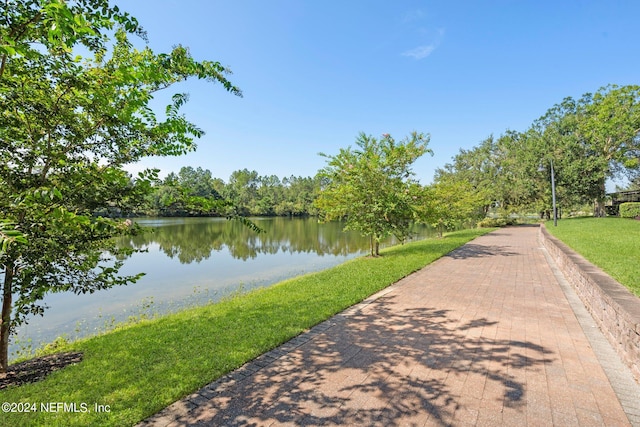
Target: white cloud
point(423, 51)
point(420, 52)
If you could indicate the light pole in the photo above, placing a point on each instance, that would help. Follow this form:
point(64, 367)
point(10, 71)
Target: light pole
point(553, 195)
point(553, 191)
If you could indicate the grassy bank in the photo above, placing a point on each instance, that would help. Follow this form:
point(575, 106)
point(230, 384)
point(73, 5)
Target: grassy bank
point(138, 370)
point(609, 243)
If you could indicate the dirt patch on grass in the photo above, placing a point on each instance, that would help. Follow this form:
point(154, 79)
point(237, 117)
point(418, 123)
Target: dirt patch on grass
point(33, 370)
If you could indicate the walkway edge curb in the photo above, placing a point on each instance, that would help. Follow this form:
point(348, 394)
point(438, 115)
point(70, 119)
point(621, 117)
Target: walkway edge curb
point(622, 381)
point(614, 308)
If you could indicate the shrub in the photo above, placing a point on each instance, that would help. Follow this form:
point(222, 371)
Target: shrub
point(630, 210)
point(497, 222)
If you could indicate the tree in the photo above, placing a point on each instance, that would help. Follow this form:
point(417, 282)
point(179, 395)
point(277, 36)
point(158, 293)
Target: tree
point(268, 195)
point(480, 168)
point(299, 195)
point(199, 182)
point(501, 172)
point(588, 140)
point(371, 187)
point(450, 201)
point(242, 190)
point(191, 193)
point(512, 171)
point(522, 185)
point(69, 123)
point(593, 139)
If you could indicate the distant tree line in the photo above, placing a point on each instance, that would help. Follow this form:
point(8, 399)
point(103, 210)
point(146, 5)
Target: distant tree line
point(196, 192)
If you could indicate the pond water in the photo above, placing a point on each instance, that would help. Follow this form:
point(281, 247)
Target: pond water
point(193, 261)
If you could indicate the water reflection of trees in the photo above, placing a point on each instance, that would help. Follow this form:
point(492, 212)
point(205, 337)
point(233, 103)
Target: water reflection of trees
point(195, 240)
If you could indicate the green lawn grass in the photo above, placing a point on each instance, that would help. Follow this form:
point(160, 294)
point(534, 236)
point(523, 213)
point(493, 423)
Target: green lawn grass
point(613, 244)
point(138, 370)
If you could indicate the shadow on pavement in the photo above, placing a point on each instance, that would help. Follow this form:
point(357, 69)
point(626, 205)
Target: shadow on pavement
point(471, 250)
point(380, 367)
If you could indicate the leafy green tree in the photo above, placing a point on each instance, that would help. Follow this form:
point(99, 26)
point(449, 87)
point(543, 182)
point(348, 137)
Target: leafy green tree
point(198, 181)
point(499, 171)
point(589, 140)
point(593, 139)
point(451, 201)
point(480, 168)
point(74, 96)
point(268, 195)
point(371, 187)
point(299, 195)
point(190, 193)
point(521, 184)
point(512, 172)
point(242, 190)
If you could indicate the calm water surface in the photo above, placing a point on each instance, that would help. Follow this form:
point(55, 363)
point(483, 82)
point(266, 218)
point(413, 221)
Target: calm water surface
point(192, 261)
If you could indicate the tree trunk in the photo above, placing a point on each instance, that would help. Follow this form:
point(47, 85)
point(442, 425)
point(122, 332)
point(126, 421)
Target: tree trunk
point(598, 208)
point(377, 248)
point(5, 320)
point(598, 204)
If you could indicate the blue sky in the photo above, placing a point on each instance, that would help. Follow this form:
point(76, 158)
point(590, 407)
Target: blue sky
point(317, 73)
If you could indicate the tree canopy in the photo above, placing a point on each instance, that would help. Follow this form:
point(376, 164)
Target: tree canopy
point(589, 140)
point(74, 96)
point(371, 187)
point(593, 139)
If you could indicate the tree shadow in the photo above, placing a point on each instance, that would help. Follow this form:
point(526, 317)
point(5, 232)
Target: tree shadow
point(374, 366)
point(471, 250)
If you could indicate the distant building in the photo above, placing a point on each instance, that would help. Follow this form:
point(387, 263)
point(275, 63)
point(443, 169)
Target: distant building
point(613, 205)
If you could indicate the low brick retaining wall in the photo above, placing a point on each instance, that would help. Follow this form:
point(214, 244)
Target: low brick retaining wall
point(614, 308)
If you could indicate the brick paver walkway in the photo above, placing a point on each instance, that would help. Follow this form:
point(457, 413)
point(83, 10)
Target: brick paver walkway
point(482, 337)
